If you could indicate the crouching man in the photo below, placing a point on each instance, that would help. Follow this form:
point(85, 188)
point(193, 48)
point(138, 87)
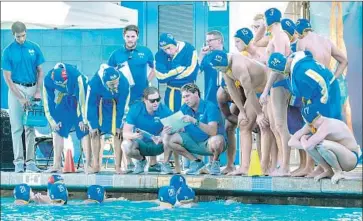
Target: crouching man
point(329, 142)
point(204, 135)
point(144, 134)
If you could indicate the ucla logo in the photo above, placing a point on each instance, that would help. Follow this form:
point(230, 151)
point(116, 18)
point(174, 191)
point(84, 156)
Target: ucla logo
point(162, 43)
point(113, 77)
point(31, 52)
point(141, 54)
point(218, 58)
point(275, 62)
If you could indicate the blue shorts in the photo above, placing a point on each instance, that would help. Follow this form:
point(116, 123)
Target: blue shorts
point(66, 113)
point(173, 98)
point(149, 148)
point(295, 120)
point(200, 148)
point(359, 158)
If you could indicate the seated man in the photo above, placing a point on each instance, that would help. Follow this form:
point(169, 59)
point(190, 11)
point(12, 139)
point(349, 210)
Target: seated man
point(66, 83)
point(108, 93)
point(204, 135)
point(329, 142)
point(252, 76)
point(143, 132)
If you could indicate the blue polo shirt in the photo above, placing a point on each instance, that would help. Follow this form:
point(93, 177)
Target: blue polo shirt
point(138, 59)
point(207, 112)
point(211, 79)
point(22, 61)
point(140, 118)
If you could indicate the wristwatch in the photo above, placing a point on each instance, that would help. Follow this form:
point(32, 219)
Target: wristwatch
point(196, 123)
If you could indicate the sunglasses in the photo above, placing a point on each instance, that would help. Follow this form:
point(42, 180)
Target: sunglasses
point(154, 100)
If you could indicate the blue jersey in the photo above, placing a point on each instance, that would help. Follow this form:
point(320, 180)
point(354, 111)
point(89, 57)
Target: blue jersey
point(178, 70)
point(138, 60)
point(53, 94)
point(22, 61)
point(141, 119)
point(99, 98)
point(207, 112)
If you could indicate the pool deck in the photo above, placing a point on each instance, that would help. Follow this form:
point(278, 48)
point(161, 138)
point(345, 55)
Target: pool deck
point(207, 185)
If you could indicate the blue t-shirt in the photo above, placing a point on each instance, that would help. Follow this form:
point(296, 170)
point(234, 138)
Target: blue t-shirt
point(141, 119)
point(207, 112)
point(22, 61)
point(137, 59)
point(211, 79)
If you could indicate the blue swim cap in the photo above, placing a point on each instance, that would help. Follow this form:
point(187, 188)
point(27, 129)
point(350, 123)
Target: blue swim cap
point(59, 73)
point(167, 194)
point(272, 15)
point(22, 192)
point(218, 58)
point(245, 34)
point(166, 39)
point(310, 114)
point(58, 191)
point(54, 179)
point(177, 181)
point(288, 26)
point(277, 62)
point(96, 193)
point(301, 25)
point(108, 74)
point(185, 194)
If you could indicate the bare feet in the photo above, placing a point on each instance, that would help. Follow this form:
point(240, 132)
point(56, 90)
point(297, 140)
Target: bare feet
point(318, 170)
point(281, 172)
point(228, 169)
point(338, 175)
point(302, 173)
point(329, 173)
point(240, 171)
point(301, 167)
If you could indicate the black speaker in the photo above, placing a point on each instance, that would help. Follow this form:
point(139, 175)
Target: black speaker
point(7, 156)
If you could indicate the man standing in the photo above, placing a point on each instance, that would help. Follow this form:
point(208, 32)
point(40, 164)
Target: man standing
point(176, 65)
point(68, 111)
point(107, 95)
point(23, 74)
point(136, 60)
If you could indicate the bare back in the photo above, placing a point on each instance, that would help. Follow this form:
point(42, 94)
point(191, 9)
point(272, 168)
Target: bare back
point(339, 132)
point(256, 70)
point(319, 46)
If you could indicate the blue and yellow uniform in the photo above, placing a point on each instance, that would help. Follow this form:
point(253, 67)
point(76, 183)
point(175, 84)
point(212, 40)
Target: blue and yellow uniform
point(194, 139)
point(138, 60)
point(141, 119)
point(175, 71)
point(312, 81)
point(64, 91)
point(105, 107)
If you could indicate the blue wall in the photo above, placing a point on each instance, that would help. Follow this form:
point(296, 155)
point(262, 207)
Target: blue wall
point(85, 48)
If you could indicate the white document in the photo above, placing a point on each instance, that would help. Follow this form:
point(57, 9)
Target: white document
point(175, 121)
point(125, 69)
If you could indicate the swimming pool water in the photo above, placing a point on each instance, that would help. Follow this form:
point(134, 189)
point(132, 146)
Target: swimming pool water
point(216, 210)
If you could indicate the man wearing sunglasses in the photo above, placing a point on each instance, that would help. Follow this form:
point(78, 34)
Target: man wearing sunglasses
point(176, 64)
point(144, 134)
point(107, 96)
point(64, 95)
